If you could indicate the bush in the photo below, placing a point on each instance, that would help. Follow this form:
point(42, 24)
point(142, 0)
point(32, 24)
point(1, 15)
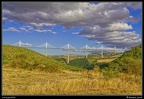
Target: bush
point(102, 64)
point(62, 60)
point(134, 66)
point(111, 71)
point(82, 63)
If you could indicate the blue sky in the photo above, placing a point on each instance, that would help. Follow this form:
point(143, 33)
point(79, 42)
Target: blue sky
point(78, 23)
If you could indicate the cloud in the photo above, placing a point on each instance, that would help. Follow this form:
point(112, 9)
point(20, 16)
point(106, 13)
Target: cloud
point(42, 31)
point(119, 26)
point(102, 21)
point(94, 14)
point(42, 14)
point(54, 32)
point(45, 31)
point(112, 35)
point(11, 29)
point(40, 25)
point(26, 28)
point(119, 39)
point(4, 19)
point(75, 33)
point(135, 5)
point(23, 29)
point(98, 42)
point(26, 44)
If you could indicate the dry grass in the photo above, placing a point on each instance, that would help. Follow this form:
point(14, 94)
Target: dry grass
point(106, 60)
point(23, 82)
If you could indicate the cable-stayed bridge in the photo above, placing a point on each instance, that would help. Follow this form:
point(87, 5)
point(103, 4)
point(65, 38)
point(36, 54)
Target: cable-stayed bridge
point(69, 48)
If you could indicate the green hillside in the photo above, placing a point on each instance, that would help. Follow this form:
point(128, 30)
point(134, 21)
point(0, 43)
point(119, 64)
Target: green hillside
point(130, 62)
point(93, 57)
point(63, 58)
point(81, 63)
point(18, 57)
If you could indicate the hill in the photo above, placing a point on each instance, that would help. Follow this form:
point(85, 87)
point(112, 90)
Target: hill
point(96, 58)
point(92, 57)
point(63, 58)
point(130, 62)
point(18, 57)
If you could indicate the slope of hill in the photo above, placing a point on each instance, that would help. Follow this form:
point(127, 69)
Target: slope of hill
point(18, 57)
point(63, 58)
point(130, 62)
point(96, 58)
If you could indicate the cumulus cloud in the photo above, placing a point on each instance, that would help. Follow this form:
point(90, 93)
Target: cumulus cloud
point(119, 26)
point(66, 13)
point(112, 35)
point(11, 29)
point(103, 21)
point(119, 39)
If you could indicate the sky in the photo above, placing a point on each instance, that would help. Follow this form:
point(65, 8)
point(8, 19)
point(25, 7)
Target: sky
point(108, 24)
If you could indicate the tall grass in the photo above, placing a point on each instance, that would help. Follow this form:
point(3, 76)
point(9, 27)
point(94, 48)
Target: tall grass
point(19, 82)
point(84, 86)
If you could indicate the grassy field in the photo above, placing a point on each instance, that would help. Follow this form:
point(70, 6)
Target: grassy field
point(24, 82)
point(25, 72)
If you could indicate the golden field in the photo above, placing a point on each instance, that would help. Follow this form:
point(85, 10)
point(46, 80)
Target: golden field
point(24, 82)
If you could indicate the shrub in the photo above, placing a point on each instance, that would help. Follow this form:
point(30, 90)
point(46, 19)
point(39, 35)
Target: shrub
point(111, 71)
point(102, 64)
point(62, 60)
point(82, 63)
point(134, 67)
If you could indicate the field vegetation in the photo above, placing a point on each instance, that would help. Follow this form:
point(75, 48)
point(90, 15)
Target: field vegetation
point(25, 72)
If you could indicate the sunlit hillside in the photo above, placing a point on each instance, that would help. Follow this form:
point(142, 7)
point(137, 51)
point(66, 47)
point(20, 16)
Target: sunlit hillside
point(18, 57)
point(130, 62)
